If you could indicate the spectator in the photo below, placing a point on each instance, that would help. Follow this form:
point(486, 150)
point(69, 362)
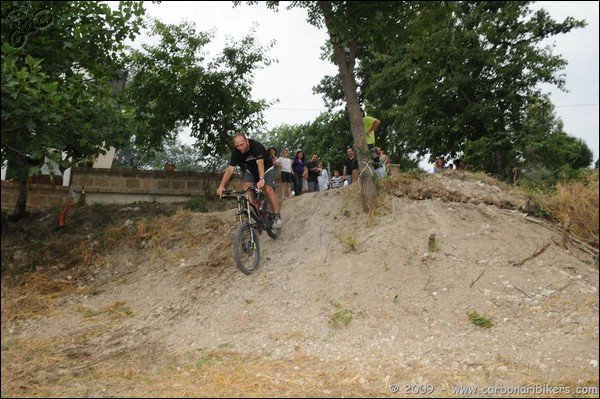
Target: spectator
point(299, 170)
point(383, 163)
point(336, 179)
point(313, 174)
point(273, 154)
point(370, 123)
point(459, 164)
point(285, 163)
point(323, 178)
point(350, 172)
point(272, 151)
point(439, 165)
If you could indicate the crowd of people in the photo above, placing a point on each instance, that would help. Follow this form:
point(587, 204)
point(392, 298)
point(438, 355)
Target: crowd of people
point(311, 176)
point(298, 175)
point(440, 165)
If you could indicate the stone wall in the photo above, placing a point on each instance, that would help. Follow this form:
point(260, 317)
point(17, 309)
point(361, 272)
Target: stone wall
point(39, 196)
point(98, 185)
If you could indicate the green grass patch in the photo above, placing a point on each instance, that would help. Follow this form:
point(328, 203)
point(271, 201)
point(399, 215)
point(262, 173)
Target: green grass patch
point(479, 320)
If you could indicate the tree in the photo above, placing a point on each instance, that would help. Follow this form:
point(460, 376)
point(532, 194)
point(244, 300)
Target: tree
point(544, 146)
point(327, 136)
point(173, 87)
point(540, 150)
point(462, 75)
point(185, 157)
point(349, 27)
point(60, 61)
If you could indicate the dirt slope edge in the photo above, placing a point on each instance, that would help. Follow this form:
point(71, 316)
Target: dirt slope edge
point(339, 293)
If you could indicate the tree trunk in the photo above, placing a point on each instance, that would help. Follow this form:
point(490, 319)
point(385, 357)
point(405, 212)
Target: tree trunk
point(345, 60)
point(499, 155)
point(23, 174)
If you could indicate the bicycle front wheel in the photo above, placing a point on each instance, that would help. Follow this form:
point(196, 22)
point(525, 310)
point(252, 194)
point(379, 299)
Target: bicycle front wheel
point(246, 249)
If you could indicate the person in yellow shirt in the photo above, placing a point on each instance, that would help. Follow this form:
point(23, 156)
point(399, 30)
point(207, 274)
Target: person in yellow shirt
point(370, 123)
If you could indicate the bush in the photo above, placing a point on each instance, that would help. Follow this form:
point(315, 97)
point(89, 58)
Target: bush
point(582, 195)
point(197, 204)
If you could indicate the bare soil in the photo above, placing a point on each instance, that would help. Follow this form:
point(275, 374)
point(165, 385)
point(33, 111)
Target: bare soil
point(145, 300)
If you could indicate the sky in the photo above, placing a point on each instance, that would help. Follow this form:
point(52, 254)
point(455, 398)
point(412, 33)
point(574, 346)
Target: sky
point(299, 67)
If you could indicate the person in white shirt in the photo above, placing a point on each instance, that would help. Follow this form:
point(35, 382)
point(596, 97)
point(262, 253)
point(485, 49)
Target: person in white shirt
point(323, 178)
point(383, 164)
point(285, 163)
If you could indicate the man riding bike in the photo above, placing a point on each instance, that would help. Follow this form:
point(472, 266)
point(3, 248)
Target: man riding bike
point(259, 170)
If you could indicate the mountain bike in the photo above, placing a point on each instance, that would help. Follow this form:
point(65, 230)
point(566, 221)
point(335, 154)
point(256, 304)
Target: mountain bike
point(254, 217)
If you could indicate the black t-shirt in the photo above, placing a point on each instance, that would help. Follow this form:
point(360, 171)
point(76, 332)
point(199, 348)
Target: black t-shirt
point(312, 176)
point(351, 164)
point(255, 151)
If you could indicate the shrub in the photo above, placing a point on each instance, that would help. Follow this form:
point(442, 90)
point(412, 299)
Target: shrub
point(582, 195)
point(197, 204)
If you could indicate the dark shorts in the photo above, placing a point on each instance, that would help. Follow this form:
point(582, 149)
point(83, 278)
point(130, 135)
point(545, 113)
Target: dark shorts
point(269, 177)
point(286, 177)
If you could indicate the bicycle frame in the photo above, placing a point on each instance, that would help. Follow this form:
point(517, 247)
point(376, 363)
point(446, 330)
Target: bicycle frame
point(250, 211)
point(254, 217)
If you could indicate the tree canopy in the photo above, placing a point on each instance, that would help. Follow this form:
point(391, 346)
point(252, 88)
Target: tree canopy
point(60, 63)
point(445, 78)
point(461, 72)
point(63, 62)
point(172, 86)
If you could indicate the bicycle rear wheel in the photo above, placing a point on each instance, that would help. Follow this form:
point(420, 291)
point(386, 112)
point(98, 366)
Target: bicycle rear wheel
point(246, 249)
point(273, 233)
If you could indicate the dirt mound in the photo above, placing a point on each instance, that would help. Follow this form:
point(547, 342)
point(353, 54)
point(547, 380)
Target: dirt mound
point(344, 303)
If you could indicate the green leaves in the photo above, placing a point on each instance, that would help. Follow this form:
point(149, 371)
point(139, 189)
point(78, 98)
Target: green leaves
point(172, 86)
point(446, 75)
point(55, 85)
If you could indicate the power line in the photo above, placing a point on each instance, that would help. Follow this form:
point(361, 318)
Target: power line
point(324, 109)
point(576, 105)
point(298, 109)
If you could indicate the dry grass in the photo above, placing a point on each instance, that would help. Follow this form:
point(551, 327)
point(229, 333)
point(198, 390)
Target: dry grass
point(483, 177)
point(31, 295)
point(37, 367)
point(583, 197)
point(159, 231)
point(230, 374)
point(427, 186)
point(225, 374)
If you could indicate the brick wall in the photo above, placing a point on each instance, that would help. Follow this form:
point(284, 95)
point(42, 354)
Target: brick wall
point(39, 196)
point(143, 182)
point(117, 186)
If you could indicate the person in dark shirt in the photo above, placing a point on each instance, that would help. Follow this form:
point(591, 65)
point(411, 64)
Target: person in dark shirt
point(314, 171)
point(259, 170)
point(350, 173)
point(299, 171)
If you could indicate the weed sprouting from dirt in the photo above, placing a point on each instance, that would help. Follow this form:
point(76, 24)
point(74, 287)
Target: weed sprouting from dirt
point(479, 320)
point(341, 317)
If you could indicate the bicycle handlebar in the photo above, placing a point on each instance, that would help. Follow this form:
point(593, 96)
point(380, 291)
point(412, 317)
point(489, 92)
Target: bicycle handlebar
point(237, 193)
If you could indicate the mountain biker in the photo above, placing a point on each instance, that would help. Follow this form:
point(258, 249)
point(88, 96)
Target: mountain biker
point(259, 170)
